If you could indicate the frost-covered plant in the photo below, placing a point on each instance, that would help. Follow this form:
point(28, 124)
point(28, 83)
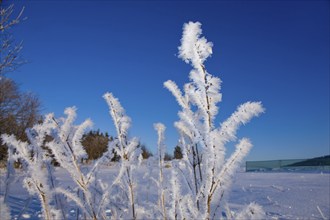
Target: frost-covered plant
point(129, 153)
point(65, 147)
point(206, 170)
point(69, 152)
point(161, 150)
point(35, 159)
point(95, 200)
point(91, 195)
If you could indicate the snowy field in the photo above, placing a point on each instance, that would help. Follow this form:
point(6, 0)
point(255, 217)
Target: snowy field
point(283, 195)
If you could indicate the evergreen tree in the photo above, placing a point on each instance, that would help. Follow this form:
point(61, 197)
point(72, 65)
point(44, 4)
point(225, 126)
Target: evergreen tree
point(177, 154)
point(168, 157)
point(145, 152)
point(95, 144)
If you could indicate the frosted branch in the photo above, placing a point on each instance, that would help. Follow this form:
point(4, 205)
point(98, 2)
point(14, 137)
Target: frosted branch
point(193, 48)
point(242, 115)
point(173, 88)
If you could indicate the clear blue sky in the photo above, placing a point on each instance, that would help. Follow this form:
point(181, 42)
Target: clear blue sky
point(276, 52)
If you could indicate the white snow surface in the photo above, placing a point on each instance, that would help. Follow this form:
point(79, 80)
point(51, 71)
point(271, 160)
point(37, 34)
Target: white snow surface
point(283, 195)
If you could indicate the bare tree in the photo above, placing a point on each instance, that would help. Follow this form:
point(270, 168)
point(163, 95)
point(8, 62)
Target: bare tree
point(18, 111)
point(10, 51)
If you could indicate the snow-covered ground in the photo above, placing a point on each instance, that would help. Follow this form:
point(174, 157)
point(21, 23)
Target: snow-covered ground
point(283, 195)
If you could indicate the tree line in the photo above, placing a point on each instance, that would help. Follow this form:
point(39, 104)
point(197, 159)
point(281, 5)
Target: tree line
point(96, 143)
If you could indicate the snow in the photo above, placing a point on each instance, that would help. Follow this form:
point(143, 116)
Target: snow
point(283, 195)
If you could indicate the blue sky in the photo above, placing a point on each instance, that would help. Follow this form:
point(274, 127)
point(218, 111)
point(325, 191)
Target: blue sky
point(276, 52)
